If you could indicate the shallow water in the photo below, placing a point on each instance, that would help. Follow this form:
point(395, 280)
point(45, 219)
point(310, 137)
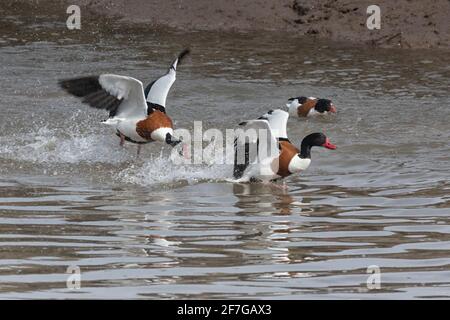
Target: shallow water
point(147, 228)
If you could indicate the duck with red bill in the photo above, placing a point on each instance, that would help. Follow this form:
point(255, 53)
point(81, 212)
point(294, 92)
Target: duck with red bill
point(281, 157)
point(302, 107)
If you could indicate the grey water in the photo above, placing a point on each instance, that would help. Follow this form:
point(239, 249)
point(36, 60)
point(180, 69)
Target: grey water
point(146, 228)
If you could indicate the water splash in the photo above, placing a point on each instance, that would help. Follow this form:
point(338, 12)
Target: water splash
point(49, 146)
point(159, 170)
point(55, 152)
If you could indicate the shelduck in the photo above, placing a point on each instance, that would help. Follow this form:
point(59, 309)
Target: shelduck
point(306, 107)
point(269, 155)
point(138, 116)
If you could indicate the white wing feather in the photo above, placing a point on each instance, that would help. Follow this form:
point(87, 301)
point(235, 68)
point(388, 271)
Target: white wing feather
point(160, 88)
point(130, 90)
point(278, 122)
point(263, 135)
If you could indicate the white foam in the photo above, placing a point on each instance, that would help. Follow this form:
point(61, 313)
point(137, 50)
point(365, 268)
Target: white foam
point(66, 151)
point(159, 169)
point(49, 146)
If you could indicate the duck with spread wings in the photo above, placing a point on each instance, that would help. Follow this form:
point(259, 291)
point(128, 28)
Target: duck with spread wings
point(138, 115)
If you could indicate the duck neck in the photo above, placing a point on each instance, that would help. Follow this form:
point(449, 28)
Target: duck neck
point(305, 150)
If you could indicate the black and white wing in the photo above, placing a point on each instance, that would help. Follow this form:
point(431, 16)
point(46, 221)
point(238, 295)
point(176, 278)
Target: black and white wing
point(122, 96)
point(278, 122)
point(157, 91)
point(253, 143)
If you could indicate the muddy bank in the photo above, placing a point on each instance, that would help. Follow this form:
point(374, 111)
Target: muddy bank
point(404, 23)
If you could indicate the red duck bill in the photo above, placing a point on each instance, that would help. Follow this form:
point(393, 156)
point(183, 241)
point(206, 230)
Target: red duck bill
point(329, 145)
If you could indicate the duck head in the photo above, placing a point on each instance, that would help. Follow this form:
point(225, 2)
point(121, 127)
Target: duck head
point(325, 105)
point(317, 139)
point(175, 142)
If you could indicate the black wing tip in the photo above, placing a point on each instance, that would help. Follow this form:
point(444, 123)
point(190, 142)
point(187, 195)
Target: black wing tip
point(179, 58)
point(183, 53)
point(76, 82)
point(87, 87)
point(243, 123)
point(64, 83)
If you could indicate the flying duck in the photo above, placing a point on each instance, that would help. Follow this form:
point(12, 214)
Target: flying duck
point(138, 115)
point(280, 158)
point(307, 107)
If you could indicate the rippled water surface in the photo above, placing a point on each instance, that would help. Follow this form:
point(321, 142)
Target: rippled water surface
point(147, 228)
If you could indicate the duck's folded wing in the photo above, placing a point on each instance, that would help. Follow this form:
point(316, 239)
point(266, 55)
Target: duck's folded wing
point(254, 143)
point(157, 91)
point(122, 96)
point(260, 132)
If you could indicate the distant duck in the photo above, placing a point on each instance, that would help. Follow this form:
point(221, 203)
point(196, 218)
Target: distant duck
point(307, 107)
point(281, 159)
point(138, 116)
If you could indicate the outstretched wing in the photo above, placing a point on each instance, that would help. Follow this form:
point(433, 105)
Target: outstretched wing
point(122, 96)
point(157, 91)
point(278, 122)
point(254, 143)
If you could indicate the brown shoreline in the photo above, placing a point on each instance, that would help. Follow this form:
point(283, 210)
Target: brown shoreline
point(404, 23)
